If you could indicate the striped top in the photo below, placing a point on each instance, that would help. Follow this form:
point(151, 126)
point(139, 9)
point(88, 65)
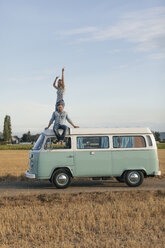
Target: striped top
point(60, 94)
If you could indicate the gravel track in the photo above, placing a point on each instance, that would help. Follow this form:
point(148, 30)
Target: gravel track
point(77, 186)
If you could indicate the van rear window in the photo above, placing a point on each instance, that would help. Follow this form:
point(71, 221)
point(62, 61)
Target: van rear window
point(129, 142)
point(93, 142)
point(149, 140)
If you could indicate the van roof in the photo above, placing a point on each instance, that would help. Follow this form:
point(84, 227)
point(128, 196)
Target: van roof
point(87, 131)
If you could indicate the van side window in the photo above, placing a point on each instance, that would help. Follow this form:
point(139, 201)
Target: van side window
point(52, 144)
point(149, 140)
point(128, 142)
point(93, 142)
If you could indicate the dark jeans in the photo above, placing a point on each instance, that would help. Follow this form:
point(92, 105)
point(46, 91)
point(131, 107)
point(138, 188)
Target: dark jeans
point(62, 136)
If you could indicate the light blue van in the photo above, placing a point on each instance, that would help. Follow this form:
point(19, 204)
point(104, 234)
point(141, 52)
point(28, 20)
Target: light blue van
point(128, 154)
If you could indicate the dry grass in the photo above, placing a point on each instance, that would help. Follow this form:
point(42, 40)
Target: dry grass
point(14, 163)
point(121, 219)
point(161, 154)
point(110, 219)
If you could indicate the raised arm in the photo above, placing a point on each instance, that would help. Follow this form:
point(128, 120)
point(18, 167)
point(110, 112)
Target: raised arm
point(63, 83)
point(54, 83)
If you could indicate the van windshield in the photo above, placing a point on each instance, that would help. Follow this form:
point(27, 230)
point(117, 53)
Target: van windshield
point(39, 142)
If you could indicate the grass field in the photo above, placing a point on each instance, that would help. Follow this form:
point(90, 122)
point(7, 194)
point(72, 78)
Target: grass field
point(161, 145)
point(116, 219)
point(94, 220)
point(15, 162)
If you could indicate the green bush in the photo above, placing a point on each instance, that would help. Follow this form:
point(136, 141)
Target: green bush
point(161, 145)
point(15, 147)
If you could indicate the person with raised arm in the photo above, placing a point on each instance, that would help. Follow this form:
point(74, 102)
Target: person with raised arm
point(60, 87)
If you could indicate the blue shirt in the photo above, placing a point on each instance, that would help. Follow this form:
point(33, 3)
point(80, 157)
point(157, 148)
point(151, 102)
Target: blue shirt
point(59, 118)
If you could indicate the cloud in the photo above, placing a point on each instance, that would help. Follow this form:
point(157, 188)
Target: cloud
point(145, 28)
point(157, 56)
point(84, 30)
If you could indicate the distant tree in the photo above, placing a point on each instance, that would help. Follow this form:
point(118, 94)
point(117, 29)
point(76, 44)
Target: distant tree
point(7, 129)
point(157, 136)
point(26, 137)
point(34, 137)
point(1, 136)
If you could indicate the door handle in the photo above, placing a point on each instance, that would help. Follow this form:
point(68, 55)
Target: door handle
point(92, 153)
point(70, 156)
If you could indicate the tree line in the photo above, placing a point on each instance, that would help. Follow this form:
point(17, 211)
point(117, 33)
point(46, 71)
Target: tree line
point(7, 133)
point(27, 137)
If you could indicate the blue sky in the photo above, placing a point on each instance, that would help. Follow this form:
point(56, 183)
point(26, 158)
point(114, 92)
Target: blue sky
point(114, 58)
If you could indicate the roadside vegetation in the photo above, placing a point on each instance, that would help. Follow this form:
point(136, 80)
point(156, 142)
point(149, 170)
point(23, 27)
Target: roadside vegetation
point(161, 145)
point(110, 219)
point(16, 147)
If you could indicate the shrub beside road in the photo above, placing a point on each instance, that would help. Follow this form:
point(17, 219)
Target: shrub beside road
point(16, 147)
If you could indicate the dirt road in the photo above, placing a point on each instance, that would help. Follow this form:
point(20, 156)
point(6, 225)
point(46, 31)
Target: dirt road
point(81, 186)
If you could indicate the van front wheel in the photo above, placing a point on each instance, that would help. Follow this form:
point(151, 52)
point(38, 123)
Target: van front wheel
point(61, 179)
point(133, 178)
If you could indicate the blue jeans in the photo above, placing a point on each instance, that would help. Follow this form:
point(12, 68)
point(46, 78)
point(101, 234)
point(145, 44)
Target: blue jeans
point(62, 136)
point(62, 102)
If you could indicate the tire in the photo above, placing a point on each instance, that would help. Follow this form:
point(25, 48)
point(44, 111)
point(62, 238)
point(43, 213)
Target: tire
point(133, 178)
point(120, 179)
point(61, 179)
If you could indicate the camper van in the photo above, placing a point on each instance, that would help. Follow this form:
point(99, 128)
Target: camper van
point(128, 154)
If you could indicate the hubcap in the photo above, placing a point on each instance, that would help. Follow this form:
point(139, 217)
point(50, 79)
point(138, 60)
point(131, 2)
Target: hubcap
point(62, 179)
point(134, 177)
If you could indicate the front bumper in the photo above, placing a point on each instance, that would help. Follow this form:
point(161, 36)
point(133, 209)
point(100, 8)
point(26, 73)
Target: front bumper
point(30, 175)
point(157, 173)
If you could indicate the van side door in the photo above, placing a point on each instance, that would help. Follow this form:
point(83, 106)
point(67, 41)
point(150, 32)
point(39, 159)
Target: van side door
point(92, 156)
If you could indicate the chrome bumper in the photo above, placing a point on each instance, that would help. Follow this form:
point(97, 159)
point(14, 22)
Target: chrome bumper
point(157, 173)
point(30, 175)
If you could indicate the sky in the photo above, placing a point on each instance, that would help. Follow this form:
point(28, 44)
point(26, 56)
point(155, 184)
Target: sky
point(113, 52)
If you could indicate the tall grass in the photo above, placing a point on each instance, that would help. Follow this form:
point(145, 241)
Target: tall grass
point(121, 219)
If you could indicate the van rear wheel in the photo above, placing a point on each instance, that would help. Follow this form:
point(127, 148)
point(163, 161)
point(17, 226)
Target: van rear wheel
point(133, 178)
point(61, 179)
